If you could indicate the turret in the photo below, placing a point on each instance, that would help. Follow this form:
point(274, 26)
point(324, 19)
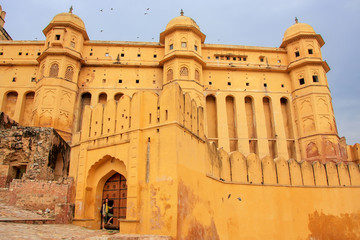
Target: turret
point(182, 62)
point(3, 34)
point(317, 133)
point(60, 64)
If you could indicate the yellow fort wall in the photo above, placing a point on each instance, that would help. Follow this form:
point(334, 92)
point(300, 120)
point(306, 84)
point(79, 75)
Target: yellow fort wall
point(215, 141)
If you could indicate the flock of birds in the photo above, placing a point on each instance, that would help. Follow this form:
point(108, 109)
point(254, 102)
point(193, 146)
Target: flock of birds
point(112, 9)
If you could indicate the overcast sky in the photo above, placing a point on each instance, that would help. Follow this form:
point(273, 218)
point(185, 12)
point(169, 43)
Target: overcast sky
point(251, 22)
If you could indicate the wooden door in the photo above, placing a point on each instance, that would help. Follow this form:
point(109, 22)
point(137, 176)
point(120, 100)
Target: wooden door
point(115, 189)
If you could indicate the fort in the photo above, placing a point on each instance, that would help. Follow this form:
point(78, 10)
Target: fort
point(190, 140)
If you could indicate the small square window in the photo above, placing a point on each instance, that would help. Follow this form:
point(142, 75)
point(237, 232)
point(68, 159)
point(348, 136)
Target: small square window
point(234, 58)
point(183, 44)
point(247, 84)
point(57, 37)
point(139, 55)
point(104, 80)
point(120, 80)
point(217, 57)
point(106, 54)
point(210, 83)
point(137, 81)
point(171, 46)
point(297, 54)
point(302, 81)
point(261, 59)
point(227, 58)
point(208, 57)
point(155, 56)
point(33, 79)
point(39, 53)
point(27, 54)
point(229, 83)
point(14, 79)
point(1, 53)
point(122, 55)
point(282, 85)
point(315, 78)
point(91, 54)
point(244, 58)
point(239, 58)
point(20, 53)
point(195, 47)
point(265, 84)
point(310, 51)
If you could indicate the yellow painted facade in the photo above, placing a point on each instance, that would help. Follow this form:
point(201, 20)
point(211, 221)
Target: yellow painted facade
point(215, 141)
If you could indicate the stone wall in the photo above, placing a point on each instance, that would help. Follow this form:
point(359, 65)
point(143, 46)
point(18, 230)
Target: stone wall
point(31, 153)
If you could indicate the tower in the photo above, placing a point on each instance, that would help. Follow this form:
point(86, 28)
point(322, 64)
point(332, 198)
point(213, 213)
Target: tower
point(182, 60)
point(60, 64)
point(3, 34)
point(317, 133)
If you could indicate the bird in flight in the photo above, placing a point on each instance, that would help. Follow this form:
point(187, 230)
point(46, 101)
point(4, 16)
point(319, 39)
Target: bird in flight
point(101, 10)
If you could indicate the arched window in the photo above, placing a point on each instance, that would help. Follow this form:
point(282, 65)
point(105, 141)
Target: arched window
point(118, 96)
point(184, 72)
point(197, 75)
point(54, 70)
point(102, 98)
point(170, 75)
point(69, 73)
point(42, 70)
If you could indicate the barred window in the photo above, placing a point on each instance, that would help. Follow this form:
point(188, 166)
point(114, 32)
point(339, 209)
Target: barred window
point(184, 71)
point(197, 75)
point(170, 75)
point(69, 73)
point(54, 70)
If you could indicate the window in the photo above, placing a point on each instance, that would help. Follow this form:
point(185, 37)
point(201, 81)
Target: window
point(265, 84)
point(120, 80)
point(39, 53)
point(282, 85)
point(229, 83)
point(247, 84)
point(122, 55)
point(261, 59)
point(171, 46)
point(20, 53)
point(227, 58)
point(155, 56)
point(297, 54)
point(54, 70)
point(183, 44)
point(104, 80)
point(310, 51)
point(184, 71)
point(106, 54)
point(234, 58)
point(239, 58)
point(315, 78)
point(14, 79)
point(137, 81)
point(170, 75)
point(244, 58)
point(197, 75)
point(57, 37)
point(33, 79)
point(195, 47)
point(1, 53)
point(69, 73)
point(139, 55)
point(210, 83)
point(217, 57)
point(302, 81)
point(91, 54)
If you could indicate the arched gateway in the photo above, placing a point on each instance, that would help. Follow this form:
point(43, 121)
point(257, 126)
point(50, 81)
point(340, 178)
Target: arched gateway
point(115, 190)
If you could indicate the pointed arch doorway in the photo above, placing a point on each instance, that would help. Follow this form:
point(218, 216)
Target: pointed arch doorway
point(115, 190)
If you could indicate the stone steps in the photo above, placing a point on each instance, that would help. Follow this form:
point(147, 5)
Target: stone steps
point(28, 221)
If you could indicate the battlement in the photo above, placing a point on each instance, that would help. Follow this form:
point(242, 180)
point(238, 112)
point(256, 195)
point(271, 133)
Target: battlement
point(236, 168)
point(144, 110)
